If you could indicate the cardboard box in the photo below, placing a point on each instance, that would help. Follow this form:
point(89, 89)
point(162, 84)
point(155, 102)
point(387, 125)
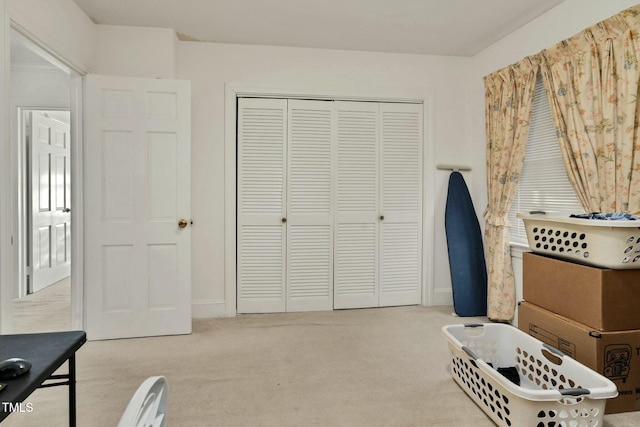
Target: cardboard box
point(604, 299)
point(616, 355)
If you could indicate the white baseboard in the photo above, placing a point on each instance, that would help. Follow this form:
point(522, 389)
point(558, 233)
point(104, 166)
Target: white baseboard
point(442, 297)
point(206, 308)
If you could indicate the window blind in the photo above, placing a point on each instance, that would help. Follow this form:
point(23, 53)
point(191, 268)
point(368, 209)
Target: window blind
point(543, 183)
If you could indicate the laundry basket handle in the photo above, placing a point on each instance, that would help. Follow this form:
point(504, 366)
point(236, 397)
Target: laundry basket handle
point(472, 354)
point(575, 392)
point(473, 325)
point(553, 350)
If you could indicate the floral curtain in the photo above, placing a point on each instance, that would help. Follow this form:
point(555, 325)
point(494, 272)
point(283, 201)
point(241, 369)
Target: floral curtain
point(592, 84)
point(508, 103)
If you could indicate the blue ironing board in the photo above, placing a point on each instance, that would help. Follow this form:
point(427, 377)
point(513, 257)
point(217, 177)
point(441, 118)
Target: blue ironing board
point(466, 252)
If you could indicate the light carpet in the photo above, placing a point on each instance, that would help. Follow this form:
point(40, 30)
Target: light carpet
point(371, 367)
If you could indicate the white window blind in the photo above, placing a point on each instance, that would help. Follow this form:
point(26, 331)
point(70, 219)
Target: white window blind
point(544, 185)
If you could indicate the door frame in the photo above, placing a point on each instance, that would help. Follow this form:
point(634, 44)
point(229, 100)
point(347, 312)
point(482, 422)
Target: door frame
point(234, 91)
point(9, 178)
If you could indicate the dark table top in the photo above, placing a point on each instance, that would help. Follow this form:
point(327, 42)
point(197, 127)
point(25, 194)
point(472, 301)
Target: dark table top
point(46, 352)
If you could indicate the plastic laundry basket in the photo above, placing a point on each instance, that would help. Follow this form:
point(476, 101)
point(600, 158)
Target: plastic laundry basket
point(554, 390)
point(601, 243)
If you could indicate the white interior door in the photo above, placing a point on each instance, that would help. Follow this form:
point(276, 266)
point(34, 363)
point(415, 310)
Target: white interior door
point(136, 191)
point(50, 203)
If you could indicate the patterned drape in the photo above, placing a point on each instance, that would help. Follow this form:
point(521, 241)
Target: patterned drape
point(508, 103)
point(592, 84)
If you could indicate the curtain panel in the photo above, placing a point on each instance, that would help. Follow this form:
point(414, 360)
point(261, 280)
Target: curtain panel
point(592, 85)
point(508, 104)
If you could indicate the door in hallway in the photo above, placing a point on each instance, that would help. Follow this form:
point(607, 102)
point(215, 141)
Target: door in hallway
point(50, 202)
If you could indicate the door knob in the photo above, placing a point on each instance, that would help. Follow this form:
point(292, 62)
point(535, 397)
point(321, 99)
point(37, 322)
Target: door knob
point(381, 217)
point(284, 219)
point(66, 210)
point(182, 223)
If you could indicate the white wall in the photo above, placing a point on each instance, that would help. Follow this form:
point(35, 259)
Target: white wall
point(36, 86)
point(65, 31)
point(210, 66)
point(136, 51)
point(60, 26)
point(567, 19)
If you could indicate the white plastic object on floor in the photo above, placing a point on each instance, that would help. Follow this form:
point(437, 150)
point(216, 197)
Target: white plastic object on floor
point(148, 406)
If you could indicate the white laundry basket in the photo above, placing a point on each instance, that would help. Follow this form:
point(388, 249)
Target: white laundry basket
point(600, 243)
point(554, 390)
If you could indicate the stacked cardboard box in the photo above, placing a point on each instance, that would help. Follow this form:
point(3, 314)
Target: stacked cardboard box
point(591, 314)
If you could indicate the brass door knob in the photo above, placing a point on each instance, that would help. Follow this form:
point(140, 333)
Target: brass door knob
point(182, 223)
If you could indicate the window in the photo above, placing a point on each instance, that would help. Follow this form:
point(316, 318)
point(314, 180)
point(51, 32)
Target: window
point(544, 185)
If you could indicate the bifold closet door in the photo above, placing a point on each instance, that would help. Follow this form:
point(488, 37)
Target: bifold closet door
point(401, 204)
point(357, 205)
point(261, 210)
point(329, 205)
point(309, 205)
point(379, 205)
point(285, 199)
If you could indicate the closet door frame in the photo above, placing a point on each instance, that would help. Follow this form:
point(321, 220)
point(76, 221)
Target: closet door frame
point(226, 306)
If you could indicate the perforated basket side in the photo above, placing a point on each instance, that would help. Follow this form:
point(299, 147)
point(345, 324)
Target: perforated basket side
point(507, 410)
point(492, 399)
point(601, 246)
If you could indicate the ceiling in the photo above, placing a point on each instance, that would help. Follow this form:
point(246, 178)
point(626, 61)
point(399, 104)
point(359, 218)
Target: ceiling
point(429, 27)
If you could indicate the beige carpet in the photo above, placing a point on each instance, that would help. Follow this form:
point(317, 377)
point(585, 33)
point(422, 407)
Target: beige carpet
point(374, 367)
point(45, 311)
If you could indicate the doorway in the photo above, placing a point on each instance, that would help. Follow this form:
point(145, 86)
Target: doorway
point(40, 133)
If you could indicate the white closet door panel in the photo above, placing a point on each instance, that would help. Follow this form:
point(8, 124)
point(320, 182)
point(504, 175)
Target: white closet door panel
point(402, 160)
point(401, 188)
point(310, 149)
point(400, 266)
point(309, 277)
point(309, 205)
point(261, 245)
point(356, 269)
point(357, 157)
point(261, 268)
point(357, 204)
point(261, 156)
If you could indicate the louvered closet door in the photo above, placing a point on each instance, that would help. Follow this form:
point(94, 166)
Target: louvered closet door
point(401, 189)
point(261, 234)
point(357, 205)
point(309, 206)
point(329, 205)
